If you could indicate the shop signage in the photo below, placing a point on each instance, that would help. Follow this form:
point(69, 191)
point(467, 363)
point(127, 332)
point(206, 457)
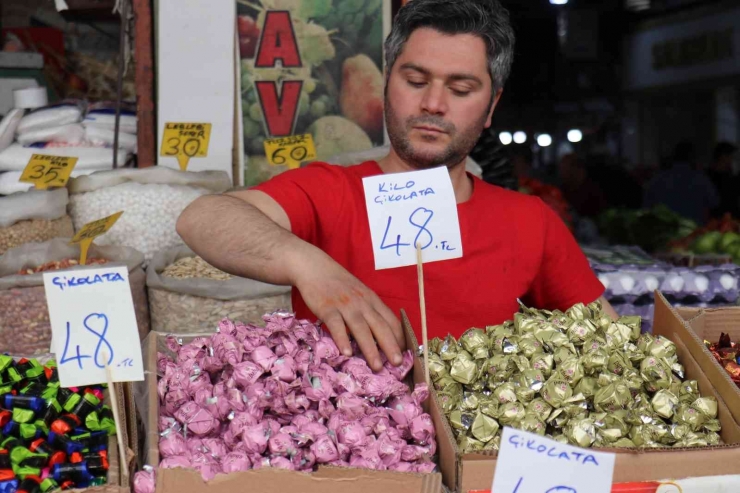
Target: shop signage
point(406, 209)
point(530, 463)
point(48, 171)
point(185, 140)
point(290, 151)
point(710, 46)
point(93, 326)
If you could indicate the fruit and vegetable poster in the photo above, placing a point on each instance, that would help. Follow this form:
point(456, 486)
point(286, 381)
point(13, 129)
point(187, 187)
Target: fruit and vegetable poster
point(310, 67)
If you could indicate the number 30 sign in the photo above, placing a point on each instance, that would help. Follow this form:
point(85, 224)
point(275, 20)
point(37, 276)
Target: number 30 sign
point(185, 140)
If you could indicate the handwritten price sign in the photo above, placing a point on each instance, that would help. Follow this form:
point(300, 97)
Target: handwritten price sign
point(92, 230)
point(48, 171)
point(529, 463)
point(290, 151)
point(409, 208)
point(93, 325)
point(186, 140)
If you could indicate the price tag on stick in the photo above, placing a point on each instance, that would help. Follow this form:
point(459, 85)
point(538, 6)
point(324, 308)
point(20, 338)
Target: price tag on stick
point(185, 140)
point(92, 230)
point(529, 463)
point(93, 325)
point(45, 171)
point(408, 208)
point(290, 151)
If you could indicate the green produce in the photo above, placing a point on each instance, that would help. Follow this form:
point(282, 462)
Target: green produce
point(650, 229)
point(336, 135)
point(729, 241)
point(707, 243)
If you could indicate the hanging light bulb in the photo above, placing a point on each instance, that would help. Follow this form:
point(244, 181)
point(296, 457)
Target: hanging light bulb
point(505, 138)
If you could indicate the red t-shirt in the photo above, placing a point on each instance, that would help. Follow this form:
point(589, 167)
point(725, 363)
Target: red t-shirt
point(514, 246)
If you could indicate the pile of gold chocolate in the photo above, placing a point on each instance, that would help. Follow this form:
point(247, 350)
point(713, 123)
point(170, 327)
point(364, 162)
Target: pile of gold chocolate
point(577, 377)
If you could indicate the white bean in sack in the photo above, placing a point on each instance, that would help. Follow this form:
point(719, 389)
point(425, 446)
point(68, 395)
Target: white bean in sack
point(149, 218)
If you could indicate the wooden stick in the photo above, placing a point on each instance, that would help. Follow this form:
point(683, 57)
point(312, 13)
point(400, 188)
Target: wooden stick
point(117, 419)
point(423, 309)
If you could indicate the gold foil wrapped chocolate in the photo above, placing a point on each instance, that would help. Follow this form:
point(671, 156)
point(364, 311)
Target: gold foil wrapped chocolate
point(665, 403)
point(511, 412)
point(475, 341)
point(484, 428)
point(464, 369)
point(505, 393)
point(576, 376)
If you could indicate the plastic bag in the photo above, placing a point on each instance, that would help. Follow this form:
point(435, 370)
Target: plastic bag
point(9, 180)
point(52, 116)
point(16, 157)
point(103, 115)
point(197, 305)
point(151, 199)
point(73, 133)
point(8, 126)
point(101, 136)
point(34, 204)
point(24, 319)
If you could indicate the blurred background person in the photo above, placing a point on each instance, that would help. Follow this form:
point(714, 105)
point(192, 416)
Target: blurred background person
point(725, 180)
point(683, 188)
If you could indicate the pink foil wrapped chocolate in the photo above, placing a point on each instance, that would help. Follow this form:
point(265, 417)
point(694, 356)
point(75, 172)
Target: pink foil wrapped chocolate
point(145, 481)
point(263, 357)
point(175, 461)
point(324, 449)
point(235, 461)
point(172, 443)
point(197, 419)
point(283, 396)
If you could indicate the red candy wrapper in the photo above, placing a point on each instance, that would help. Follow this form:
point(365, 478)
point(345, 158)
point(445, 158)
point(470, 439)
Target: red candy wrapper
point(726, 352)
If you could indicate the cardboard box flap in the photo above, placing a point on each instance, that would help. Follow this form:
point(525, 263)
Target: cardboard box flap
point(707, 324)
point(446, 447)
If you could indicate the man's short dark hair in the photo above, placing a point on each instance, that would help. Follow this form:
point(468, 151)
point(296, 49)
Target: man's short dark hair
point(723, 149)
point(486, 19)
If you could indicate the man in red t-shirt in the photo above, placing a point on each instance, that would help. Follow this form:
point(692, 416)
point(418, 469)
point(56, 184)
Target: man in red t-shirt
point(446, 66)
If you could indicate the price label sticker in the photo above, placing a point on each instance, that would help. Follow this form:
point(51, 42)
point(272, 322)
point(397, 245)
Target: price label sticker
point(404, 209)
point(185, 140)
point(93, 325)
point(290, 151)
point(46, 171)
point(92, 230)
point(530, 463)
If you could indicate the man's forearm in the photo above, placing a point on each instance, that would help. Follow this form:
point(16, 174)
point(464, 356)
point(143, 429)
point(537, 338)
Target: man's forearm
point(238, 238)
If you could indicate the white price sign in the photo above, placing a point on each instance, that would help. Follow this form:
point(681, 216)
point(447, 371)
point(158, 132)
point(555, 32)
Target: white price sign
point(409, 208)
point(93, 325)
point(529, 463)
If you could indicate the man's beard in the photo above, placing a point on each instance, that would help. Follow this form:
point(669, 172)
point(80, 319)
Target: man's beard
point(456, 151)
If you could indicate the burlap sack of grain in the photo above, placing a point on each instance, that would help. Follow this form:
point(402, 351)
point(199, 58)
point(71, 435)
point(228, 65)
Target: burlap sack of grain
point(196, 305)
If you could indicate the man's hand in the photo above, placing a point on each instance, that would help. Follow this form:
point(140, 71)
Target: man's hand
point(347, 306)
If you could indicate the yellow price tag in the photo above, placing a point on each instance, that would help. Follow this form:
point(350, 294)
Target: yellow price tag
point(185, 140)
point(92, 230)
point(290, 151)
point(48, 171)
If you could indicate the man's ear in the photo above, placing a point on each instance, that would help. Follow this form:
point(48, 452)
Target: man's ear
point(496, 97)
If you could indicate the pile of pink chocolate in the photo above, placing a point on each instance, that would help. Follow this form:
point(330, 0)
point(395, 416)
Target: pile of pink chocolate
point(283, 396)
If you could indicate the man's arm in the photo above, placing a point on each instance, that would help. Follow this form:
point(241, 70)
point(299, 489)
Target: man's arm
point(248, 234)
point(608, 309)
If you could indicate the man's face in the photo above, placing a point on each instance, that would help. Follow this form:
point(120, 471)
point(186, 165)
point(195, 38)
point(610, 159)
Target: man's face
point(438, 98)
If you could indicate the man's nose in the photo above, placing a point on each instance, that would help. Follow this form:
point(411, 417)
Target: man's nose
point(435, 99)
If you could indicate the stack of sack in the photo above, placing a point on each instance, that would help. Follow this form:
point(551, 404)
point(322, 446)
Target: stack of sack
point(70, 128)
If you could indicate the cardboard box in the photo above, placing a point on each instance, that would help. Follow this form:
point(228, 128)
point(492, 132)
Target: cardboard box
point(474, 471)
point(324, 480)
point(708, 324)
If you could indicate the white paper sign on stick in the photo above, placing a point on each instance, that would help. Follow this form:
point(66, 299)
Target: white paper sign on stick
point(93, 323)
point(529, 463)
point(406, 208)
